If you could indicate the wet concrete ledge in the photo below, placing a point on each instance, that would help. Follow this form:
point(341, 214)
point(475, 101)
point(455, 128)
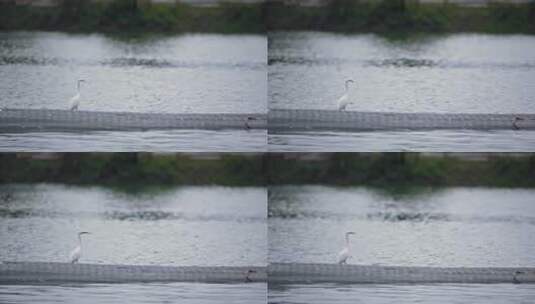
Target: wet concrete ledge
point(375, 274)
point(278, 273)
point(60, 273)
point(308, 120)
point(20, 120)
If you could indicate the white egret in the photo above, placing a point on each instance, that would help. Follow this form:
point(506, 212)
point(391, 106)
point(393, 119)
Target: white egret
point(76, 253)
point(75, 101)
point(344, 100)
point(345, 254)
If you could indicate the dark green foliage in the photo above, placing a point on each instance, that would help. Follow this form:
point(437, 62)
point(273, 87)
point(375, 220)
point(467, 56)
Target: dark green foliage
point(338, 15)
point(129, 16)
point(391, 170)
point(403, 169)
point(132, 170)
point(389, 16)
point(346, 13)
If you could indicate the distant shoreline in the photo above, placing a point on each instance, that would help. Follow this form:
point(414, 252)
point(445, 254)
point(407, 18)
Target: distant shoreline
point(386, 17)
point(402, 170)
point(136, 171)
point(132, 171)
point(125, 16)
point(398, 16)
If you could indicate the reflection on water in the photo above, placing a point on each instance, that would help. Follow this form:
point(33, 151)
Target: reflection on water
point(189, 293)
point(122, 141)
point(201, 73)
point(384, 141)
point(450, 227)
point(458, 73)
point(180, 226)
point(380, 294)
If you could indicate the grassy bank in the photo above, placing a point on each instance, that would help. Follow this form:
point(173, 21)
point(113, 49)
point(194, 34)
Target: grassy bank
point(400, 169)
point(337, 15)
point(367, 169)
point(402, 15)
point(132, 169)
point(129, 16)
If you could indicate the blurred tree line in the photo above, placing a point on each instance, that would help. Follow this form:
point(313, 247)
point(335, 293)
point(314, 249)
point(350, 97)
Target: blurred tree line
point(136, 169)
point(132, 15)
point(389, 169)
point(402, 15)
point(372, 169)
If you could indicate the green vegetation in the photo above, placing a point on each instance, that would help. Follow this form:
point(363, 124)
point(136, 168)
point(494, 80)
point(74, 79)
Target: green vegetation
point(132, 170)
point(403, 169)
point(131, 16)
point(386, 170)
point(385, 16)
point(403, 16)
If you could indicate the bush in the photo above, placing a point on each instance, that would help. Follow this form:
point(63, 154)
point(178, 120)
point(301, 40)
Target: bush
point(127, 15)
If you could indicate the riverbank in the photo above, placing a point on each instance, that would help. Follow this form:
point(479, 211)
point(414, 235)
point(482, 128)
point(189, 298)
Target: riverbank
point(132, 170)
point(402, 16)
point(121, 16)
point(345, 169)
point(390, 170)
point(338, 15)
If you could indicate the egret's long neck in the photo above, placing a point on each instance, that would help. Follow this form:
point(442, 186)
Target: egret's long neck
point(347, 240)
point(78, 87)
point(80, 240)
point(347, 86)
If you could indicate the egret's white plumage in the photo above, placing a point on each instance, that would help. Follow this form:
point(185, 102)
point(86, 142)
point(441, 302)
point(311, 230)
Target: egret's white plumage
point(75, 100)
point(345, 254)
point(344, 100)
point(76, 253)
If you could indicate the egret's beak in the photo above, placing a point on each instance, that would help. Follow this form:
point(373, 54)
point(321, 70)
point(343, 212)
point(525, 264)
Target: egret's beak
point(85, 232)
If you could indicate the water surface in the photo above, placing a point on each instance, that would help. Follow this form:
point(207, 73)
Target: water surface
point(195, 73)
point(186, 226)
point(395, 141)
point(146, 141)
point(447, 227)
point(189, 73)
point(411, 227)
point(456, 73)
point(382, 294)
point(189, 293)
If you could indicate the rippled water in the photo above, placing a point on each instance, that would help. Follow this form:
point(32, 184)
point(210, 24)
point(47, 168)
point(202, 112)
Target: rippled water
point(417, 227)
point(122, 141)
point(395, 141)
point(150, 73)
point(197, 293)
point(423, 227)
point(183, 226)
point(379, 294)
point(191, 73)
point(461, 73)
point(456, 73)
